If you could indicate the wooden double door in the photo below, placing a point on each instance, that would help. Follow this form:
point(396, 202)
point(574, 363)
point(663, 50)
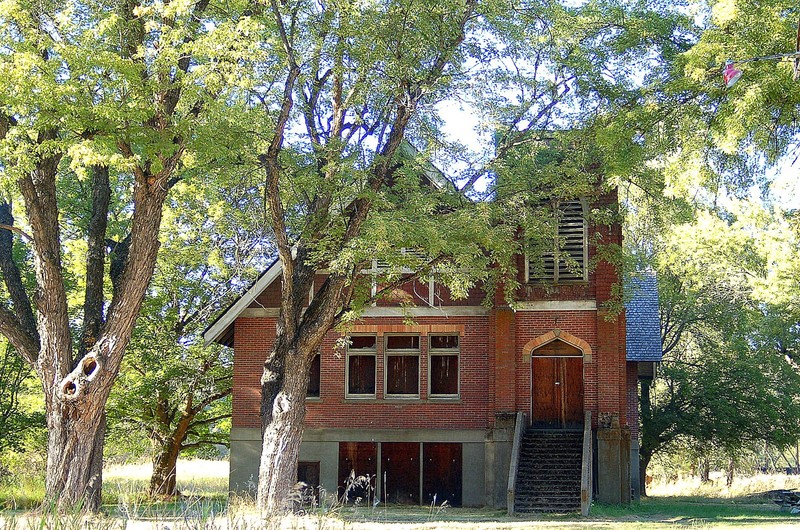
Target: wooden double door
point(557, 387)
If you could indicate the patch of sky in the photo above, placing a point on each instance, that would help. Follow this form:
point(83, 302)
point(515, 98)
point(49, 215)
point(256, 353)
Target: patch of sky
point(784, 180)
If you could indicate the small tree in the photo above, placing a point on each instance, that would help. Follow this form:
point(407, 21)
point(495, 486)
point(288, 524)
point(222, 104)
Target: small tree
point(726, 384)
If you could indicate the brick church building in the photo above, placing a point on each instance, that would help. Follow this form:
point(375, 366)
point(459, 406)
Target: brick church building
point(437, 399)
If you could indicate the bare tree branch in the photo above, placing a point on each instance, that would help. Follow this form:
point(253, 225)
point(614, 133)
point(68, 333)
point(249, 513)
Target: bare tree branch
point(12, 278)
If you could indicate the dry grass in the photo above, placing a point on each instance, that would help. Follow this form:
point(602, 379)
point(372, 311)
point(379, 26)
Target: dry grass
point(682, 503)
point(742, 488)
point(203, 478)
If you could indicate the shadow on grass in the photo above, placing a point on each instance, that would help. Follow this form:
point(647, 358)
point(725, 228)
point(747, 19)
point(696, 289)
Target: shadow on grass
point(694, 510)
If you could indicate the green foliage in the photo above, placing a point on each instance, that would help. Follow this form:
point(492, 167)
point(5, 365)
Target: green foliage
point(210, 247)
point(728, 383)
point(22, 469)
point(20, 411)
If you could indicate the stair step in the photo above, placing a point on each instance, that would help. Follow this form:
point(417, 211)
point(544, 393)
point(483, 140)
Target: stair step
point(547, 466)
point(549, 508)
point(541, 499)
point(549, 472)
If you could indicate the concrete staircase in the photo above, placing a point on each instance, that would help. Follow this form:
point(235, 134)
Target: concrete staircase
point(549, 472)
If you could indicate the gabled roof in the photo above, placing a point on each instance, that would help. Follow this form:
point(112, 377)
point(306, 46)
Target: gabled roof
point(643, 328)
point(432, 173)
point(221, 330)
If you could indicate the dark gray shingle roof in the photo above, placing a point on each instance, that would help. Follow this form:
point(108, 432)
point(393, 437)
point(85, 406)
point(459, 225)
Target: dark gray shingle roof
point(643, 330)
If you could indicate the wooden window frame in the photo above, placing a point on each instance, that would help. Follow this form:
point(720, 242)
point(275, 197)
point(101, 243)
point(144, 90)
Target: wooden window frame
point(444, 352)
point(361, 352)
point(387, 352)
point(557, 252)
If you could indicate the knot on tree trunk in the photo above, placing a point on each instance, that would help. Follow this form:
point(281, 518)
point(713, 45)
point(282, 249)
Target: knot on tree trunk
point(73, 385)
point(282, 404)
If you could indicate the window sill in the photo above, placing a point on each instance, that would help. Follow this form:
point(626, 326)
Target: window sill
point(394, 400)
point(551, 283)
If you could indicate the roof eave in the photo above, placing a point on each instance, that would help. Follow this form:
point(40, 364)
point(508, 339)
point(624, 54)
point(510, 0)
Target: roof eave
point(217, 331)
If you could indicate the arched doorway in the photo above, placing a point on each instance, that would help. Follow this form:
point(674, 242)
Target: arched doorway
point(557, 386)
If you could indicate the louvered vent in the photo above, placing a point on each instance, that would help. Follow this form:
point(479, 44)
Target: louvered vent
point(381, 265)
point(567, 262)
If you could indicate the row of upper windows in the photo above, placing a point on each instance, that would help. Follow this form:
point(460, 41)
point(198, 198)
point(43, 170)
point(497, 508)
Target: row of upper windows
point(402, 369)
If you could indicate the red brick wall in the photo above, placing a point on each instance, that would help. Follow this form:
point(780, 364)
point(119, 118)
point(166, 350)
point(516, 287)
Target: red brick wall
point(417, 293)
point(505, 360)
point(607, 377)
point(253, 338)
point(270, 297)
point(611, 366)
point(470, 411)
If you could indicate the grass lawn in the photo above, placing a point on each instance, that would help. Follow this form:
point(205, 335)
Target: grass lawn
point(651, 513)
point(206, 507)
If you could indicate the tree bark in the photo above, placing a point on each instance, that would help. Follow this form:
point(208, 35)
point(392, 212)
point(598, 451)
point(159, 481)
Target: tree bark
point(12, 277)
point(730, 473)
point(704, 470)
point(76, 391)
point(644, 461)
point(284, 432)
point(95, 259)
point(164, 480)
point(75, 457)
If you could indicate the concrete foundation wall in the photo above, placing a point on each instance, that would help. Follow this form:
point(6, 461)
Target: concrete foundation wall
point(613, 465)
point(245, 457)
point(322, 445)
point(498, 459)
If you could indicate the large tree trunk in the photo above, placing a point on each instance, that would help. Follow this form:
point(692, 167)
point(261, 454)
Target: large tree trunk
point(75, 457)
point(644, 461)
point(164, 480)
point(76, 392)
point(284, 431)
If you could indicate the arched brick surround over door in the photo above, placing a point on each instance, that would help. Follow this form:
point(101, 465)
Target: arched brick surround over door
point(557, 384)
point(558, 334)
